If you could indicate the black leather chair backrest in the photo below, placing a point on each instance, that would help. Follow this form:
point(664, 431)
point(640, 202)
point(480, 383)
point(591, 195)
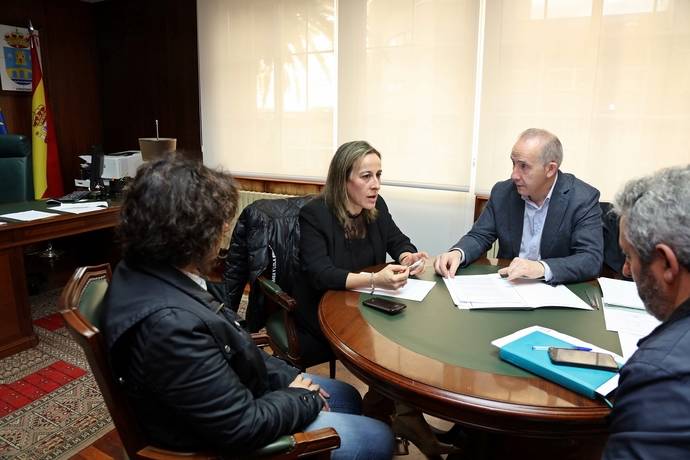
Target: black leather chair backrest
point(16, 175)
point(613, 256)
point(266, 236)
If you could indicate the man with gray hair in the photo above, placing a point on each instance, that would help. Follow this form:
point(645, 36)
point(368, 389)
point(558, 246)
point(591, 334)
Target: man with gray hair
point(651, 414)
point(548, 222)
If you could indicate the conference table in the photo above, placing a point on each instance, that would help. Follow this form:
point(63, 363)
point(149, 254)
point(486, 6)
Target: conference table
point(16, 331)
point(439, 359)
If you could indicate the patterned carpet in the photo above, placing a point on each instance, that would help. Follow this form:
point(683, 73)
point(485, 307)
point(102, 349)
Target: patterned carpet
point(50, 405)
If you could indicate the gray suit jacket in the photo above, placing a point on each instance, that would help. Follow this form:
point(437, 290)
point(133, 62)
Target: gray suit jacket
point(571, 242)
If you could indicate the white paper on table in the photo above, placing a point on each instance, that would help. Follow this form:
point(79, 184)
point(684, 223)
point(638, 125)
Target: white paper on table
point(81, 207)
point(413, 290)
point(27, 216)
point(620, 292)
point(493, 292)
point(629, 320)
point(628, 343)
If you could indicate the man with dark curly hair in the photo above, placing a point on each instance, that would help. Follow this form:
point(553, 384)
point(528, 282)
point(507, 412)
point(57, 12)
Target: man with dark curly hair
point(193, 375)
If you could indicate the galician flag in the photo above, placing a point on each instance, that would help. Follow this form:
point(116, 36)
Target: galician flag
point(47, 177)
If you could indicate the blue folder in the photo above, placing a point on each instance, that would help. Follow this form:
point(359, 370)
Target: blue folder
point(581, 380)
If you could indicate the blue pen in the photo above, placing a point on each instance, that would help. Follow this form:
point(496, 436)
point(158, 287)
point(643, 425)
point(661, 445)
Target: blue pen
point(546, 347)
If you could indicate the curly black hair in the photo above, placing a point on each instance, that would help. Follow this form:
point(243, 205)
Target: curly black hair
point(174, 213)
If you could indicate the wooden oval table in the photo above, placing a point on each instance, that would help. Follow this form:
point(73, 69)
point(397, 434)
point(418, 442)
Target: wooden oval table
point(438, 358)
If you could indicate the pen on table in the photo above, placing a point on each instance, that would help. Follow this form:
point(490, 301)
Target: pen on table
point(546, 347)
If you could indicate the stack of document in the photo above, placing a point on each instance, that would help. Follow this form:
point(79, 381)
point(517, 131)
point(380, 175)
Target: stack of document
point(528, 349)
point(493, 292)
point(624, 313)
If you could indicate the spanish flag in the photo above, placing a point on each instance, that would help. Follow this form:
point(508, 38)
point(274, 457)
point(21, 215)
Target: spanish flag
point(46, 164)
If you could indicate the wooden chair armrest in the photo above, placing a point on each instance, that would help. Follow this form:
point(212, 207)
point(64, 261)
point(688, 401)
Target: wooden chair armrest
point(321, 440)
point(276, 294)
point(317, 443)
point(286, 447)
point(260, 339)
point(155, 453)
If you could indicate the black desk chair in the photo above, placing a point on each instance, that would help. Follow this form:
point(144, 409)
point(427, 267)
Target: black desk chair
point(16, 174)
point(80, 307)
point(613, 255)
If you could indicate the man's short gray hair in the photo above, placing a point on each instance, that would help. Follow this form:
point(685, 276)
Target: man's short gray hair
point(552, 149)
point(656, 209)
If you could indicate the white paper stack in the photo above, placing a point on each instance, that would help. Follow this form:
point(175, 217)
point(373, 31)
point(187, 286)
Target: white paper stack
point(624, 313)
point(493, 292)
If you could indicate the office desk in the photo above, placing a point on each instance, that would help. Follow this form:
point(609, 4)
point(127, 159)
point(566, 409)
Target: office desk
point(16, 331)
point(440, 359)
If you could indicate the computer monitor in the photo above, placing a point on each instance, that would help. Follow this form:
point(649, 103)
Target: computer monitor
point(95, 181)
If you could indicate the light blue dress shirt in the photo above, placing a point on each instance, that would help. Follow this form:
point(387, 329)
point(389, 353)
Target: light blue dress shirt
point(532, 227)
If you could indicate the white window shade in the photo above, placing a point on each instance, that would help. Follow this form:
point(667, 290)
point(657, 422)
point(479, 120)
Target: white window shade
point(279, 92)
point(406, 76)
point(611, 78)
point(284, 82)
point(267, 84)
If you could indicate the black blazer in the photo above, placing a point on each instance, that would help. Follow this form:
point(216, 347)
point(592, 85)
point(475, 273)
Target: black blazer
point(323, 253)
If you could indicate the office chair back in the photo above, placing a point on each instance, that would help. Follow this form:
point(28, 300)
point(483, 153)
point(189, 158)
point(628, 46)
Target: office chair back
point(80, 304)
point(613, 255)
point(264, 252)
point(16, 174)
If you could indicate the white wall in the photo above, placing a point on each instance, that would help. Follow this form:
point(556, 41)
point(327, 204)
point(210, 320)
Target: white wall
point(433, 219)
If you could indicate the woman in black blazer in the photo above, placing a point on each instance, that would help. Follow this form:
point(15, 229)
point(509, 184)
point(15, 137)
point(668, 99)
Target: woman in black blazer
point(344, 230)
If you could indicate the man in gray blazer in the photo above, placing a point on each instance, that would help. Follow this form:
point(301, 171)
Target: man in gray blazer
point(548, 222)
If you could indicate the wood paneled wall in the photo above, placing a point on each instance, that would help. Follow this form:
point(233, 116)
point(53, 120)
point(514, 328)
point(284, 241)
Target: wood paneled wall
point(282, 187)
point(111, 68)
point(70, 71)
point(149, 67)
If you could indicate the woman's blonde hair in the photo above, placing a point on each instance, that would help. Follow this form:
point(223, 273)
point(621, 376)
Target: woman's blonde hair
point(335, 190)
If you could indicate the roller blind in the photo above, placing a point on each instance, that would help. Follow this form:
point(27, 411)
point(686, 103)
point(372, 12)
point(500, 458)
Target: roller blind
point(284, 82)
point(611, 78)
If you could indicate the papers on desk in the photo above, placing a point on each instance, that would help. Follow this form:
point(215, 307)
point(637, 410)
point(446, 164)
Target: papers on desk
point(624, 313)
point(413, 290)
point(493, 292)
point(621, 293)
point(27, 216)
point(81, 206)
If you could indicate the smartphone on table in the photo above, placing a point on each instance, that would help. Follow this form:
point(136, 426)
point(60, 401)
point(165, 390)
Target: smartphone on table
point(384, 305)
point(591, 359)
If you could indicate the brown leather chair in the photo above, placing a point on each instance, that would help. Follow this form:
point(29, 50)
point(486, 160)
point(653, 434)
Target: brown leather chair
point(79, 304)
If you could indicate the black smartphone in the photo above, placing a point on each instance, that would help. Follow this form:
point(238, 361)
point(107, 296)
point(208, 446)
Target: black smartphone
point(385, 305)
point(582, 358)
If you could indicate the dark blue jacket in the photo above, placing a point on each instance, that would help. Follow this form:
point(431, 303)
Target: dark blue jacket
point(651, 414)
point(193, 375)
point(571, 242)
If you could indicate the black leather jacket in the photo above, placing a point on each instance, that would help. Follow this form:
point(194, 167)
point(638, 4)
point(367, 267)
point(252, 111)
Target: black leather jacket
point(266, 235)
point(193, 375)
